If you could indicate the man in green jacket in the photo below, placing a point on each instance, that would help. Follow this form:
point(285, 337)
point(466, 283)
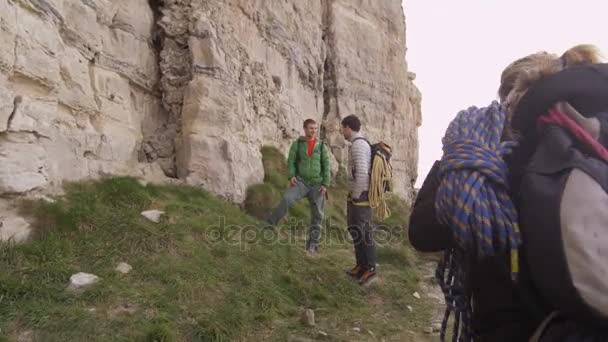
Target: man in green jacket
point(309, 176)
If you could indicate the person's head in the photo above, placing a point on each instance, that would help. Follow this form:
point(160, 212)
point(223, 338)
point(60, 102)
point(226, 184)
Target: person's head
point(523, 73)
point(520, 75)
point(350, 124)
point(512, 72)
point(310, 128)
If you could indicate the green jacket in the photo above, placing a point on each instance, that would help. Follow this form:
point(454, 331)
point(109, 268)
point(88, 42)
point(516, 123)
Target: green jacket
point(313, 170)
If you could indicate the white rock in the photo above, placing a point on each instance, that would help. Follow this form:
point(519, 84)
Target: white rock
point(308, 317)
point(410, 308)
point(153, 215)
point(22, 166)
point(7, 97)
point(47, 199)
point(82, 280)
point(323, 334)
point(7, 36)
point(416, 295)
point(71, 123)
point(14, 229)
point(26, 336)
point(43, 197)
point(123, 268)
point(357, 329)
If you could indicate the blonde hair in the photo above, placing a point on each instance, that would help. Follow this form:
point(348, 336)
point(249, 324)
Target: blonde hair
point(512, 72)
point(520, 75)
point(541, 65)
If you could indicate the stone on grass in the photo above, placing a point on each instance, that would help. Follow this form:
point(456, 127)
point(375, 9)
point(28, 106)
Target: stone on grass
point(308, 318)
point(81, 281)
point(153, 215)
point(123, 268)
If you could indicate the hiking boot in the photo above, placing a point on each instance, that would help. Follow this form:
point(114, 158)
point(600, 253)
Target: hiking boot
point(367, 276)
point(356, 272)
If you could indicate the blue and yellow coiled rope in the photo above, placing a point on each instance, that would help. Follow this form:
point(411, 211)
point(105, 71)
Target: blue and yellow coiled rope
point(473, 200)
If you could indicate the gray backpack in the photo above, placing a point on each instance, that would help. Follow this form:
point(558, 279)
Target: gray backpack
point(564, 224)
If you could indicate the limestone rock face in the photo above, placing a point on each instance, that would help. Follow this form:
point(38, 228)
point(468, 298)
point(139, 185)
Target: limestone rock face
point(77, 85)
point(366, 75)
point(257, 74)
point(192, 89)
point(259, 68)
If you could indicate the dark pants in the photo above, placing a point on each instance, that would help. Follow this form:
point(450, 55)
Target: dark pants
point(316, 200)
point(359, 226)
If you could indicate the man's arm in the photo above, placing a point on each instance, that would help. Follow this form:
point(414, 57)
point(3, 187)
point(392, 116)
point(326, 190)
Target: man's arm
point(583, 87)
point(291, 161)
point(325, 169)
point(425, 231)
point(361, 154)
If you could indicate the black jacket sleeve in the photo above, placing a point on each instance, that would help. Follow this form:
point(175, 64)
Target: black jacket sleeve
point(425, 232)
point(584, 87)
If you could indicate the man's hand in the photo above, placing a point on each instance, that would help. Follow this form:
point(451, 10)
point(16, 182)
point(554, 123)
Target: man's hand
point(322, 190)
point(293, 181)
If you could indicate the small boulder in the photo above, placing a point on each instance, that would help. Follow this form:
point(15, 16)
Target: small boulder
point(81, 281)
point(44, 198)
point(14, 229)
point(123, 268)
point(416, 295)
point(153, 215)
point(308, 318)
point(26, 336)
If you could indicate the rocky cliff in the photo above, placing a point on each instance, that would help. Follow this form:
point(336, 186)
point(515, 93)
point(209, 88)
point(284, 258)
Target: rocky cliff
point(192, 89)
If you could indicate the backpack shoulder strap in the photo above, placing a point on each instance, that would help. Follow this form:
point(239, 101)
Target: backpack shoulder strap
point(298, 142)
point(362, 138)
point(323, 152)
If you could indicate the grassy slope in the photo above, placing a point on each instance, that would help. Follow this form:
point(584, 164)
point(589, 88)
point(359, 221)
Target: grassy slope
point(194, 279)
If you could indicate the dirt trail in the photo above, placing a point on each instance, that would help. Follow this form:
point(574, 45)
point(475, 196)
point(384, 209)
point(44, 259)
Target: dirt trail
point(432, 292)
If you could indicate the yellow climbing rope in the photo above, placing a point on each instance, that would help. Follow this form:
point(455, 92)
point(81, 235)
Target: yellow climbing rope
point(380, 182)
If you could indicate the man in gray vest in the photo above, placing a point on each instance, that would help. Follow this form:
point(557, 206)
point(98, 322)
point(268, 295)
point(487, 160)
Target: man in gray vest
point(359, 212)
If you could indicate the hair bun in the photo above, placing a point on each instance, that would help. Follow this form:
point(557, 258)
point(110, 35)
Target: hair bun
point(581, 54)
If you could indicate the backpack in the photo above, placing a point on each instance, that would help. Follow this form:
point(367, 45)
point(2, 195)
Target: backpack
point(381, 177)
point(564, 218)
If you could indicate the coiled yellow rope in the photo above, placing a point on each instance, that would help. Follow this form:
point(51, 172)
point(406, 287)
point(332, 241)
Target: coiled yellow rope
point(381, 177)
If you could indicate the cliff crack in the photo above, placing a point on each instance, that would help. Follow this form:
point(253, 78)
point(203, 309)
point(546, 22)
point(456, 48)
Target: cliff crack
point(16, 103)
point(170, 42)
point(330, 90)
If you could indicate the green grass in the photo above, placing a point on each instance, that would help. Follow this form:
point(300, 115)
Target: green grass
point(196, 274)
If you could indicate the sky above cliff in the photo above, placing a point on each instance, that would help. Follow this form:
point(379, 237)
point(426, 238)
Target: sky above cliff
point(459, 48)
